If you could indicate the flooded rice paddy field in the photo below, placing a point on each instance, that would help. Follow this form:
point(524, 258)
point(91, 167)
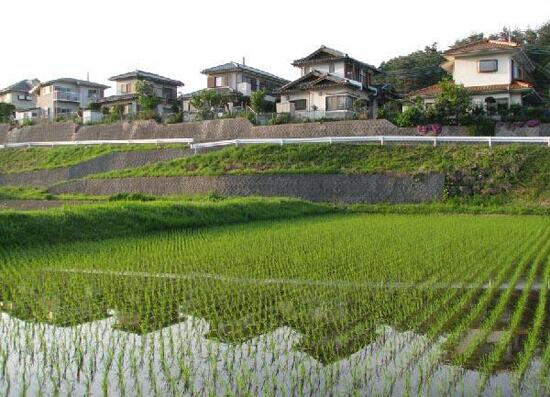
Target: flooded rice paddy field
point(334, 305)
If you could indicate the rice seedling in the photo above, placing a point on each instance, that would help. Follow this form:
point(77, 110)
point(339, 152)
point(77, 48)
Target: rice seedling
point(330, 305)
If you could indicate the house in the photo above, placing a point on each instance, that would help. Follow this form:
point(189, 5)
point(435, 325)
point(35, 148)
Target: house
point(126, 95)
point(496, 73)
point(65, 96)
point(237, 79)
point(19, 94)
point(332, 84)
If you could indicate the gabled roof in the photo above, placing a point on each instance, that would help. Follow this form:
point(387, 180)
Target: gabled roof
point(21, 86)
point(235, 67)
point(324, 53)
point(435, 89)
point(315, 79)
point(483, 45)
point(140, 74)
point(84, 83)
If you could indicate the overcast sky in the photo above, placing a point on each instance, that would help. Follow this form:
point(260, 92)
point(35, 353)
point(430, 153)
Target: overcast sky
point(178, 39)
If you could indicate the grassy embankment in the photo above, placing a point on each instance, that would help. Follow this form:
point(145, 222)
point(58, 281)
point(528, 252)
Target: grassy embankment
point(33, 159)
point(516, 172)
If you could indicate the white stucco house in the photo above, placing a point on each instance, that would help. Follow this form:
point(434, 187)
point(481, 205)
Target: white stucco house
point(333, 85)
point(497, 74)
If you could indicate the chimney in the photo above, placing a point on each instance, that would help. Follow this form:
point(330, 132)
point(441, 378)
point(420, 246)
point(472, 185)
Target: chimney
point(88, 76)
point(244, 61)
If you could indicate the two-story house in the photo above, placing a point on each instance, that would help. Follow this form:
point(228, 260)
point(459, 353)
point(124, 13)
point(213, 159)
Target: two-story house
point(66, 96)
point(240, 79)
point(20, 95)
point(496, 73)
point(126, 95)
point(332, 84)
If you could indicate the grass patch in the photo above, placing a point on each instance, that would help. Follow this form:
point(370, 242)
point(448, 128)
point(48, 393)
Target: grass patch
point(126, 218)
point(519, 171)
point(33, 159)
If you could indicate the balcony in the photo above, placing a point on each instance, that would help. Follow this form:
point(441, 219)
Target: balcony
point(66, 96)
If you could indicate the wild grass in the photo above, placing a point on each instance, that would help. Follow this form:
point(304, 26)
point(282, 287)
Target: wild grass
point(33, 159)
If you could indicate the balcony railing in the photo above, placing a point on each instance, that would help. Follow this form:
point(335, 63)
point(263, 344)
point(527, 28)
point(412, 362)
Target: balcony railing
point(66, 96)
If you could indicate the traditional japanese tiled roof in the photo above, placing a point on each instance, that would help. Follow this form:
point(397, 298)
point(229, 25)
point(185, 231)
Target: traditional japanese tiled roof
point(317, 79)
point(235, 67)
point(483, 45)
point(140, 74)
point(333, 55)
point(435, 89)
point(21, 86)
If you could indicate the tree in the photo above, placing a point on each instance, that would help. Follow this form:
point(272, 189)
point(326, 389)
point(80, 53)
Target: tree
point(258, 102)
point(6, 111)
point(147, 98)
point(453, 101)
point(206, 102)
point(413, 71)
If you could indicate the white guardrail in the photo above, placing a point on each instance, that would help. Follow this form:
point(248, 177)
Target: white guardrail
point(186, 141)
point(381, 139)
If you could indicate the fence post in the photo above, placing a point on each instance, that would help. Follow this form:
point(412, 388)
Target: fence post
point(330, 141)
point(490, 142)
point(382, 140)
point(236, 142)
point(549, 141)
point(282, 142)
point(435, 141)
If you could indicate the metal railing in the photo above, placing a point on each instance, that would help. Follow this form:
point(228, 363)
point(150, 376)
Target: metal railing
point(380, 139)
point(185, 141)
point(376, 139)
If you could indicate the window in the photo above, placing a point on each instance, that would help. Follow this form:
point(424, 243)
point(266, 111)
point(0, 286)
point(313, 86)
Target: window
point(299, 104)
point(488, 65)
point(331, 67)
point(23, 97)
point(517, 71)
point(63, 111)
point(168, 94)
point(126, 88)
point(218, 82)
point(339, 102)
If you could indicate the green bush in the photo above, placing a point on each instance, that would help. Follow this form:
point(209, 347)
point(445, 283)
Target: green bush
point(411, 117)
point(481, 127)
point(280, 118)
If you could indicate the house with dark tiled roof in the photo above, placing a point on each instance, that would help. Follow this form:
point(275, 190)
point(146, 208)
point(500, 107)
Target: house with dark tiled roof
point(497, 74)
point(332, 84)
point(20, 95)
point(238, 80)
point(126, 95)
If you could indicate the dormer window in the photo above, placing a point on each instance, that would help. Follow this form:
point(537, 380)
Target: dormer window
point(488, 65)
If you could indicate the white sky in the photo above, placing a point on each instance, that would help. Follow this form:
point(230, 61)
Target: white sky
point(67, 38)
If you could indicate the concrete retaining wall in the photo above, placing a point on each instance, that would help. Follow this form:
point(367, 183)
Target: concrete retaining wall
point(200, 131)
point(105, 163)
point(373, 188)
point(512, 129)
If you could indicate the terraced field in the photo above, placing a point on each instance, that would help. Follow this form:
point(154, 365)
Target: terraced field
point(330, 305)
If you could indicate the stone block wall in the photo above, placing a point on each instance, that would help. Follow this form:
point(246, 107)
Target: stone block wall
point(371, 188)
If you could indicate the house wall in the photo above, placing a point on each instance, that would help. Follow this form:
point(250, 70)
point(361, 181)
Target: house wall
point(158, 87)
point(339, 68)
point(13, 98)
point(466, 70)
point(318, 98)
